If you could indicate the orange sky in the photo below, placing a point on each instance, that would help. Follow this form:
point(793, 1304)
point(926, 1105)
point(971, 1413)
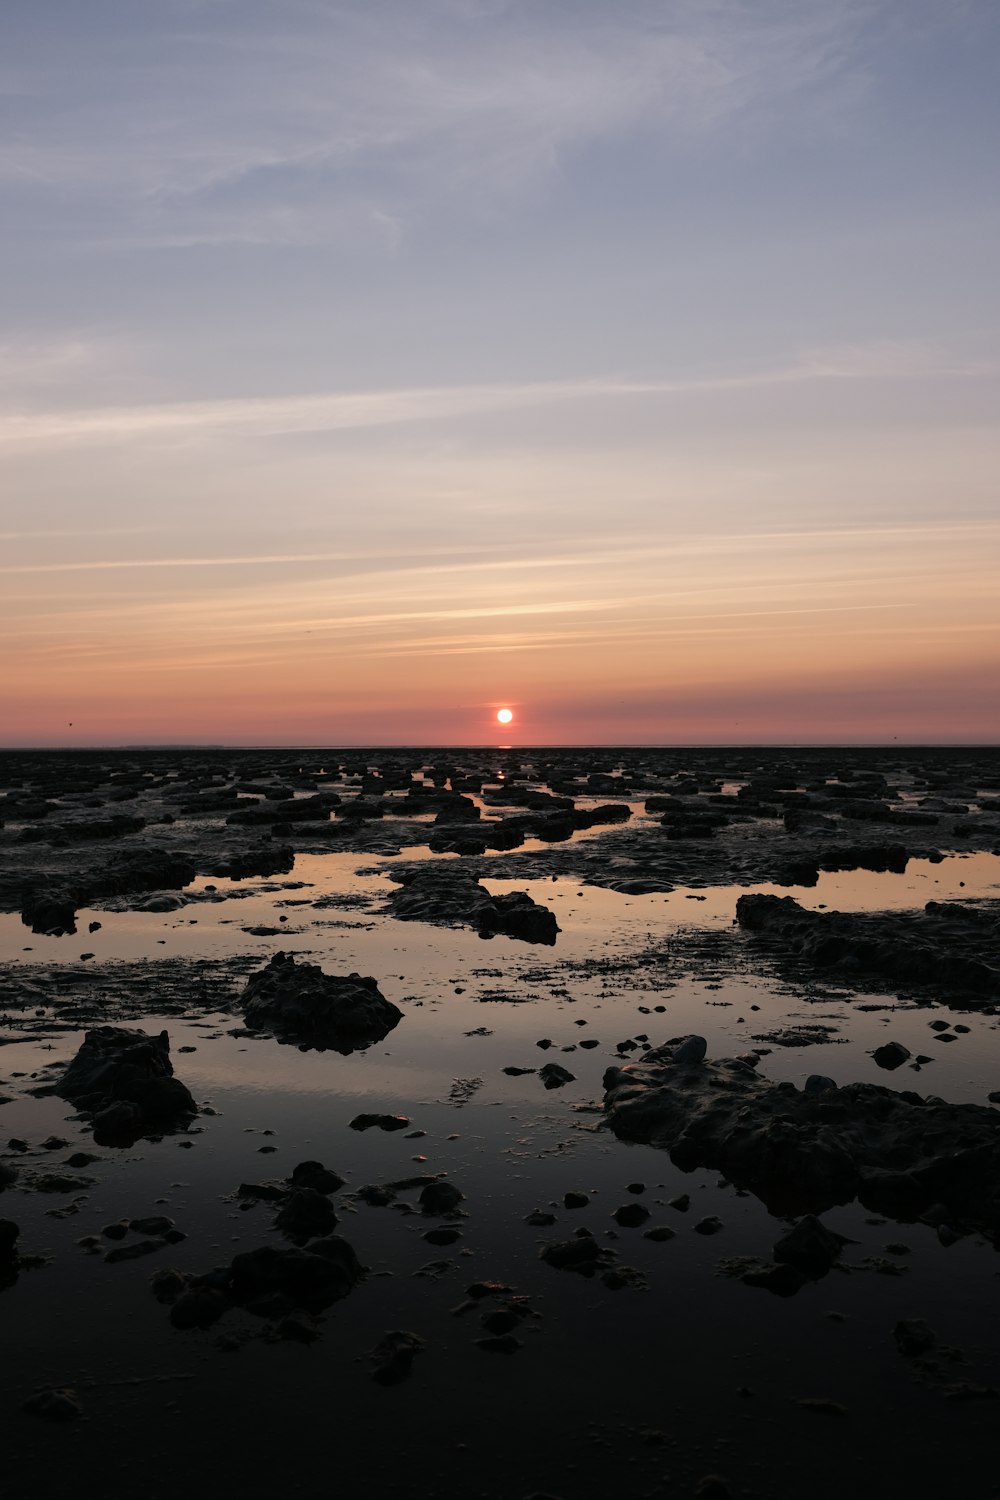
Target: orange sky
point(365, 367)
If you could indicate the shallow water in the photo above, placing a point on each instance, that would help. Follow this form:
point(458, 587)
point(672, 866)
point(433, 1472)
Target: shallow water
point(645, 1388)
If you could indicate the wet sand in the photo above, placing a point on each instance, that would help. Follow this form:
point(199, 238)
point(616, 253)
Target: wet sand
point(659, 1368)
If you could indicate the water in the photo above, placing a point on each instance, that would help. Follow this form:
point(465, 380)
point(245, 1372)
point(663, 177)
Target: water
point(648, 1388)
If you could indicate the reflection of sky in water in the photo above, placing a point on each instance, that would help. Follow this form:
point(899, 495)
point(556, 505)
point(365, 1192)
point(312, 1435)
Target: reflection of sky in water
point(445, 981)
point(513, 1148)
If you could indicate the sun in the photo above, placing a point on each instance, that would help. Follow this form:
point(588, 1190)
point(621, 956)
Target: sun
point(504, 715)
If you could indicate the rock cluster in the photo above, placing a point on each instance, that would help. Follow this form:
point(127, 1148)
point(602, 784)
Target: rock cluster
point(125, 1081)
point(299, 1002)
point(936, 947)
point(445, 894)
point(804, 1150)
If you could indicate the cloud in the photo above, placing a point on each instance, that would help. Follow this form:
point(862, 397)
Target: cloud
point(426, 101)
point(352, 410)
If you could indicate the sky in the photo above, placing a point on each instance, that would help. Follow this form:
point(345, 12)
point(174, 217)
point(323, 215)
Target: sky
point(367, 366)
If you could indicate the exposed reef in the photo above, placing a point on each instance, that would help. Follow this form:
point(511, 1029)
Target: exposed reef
point(805, 1150)
point(124, 1081)
point(299, 1002)
point(950, 947)
point(444, 894)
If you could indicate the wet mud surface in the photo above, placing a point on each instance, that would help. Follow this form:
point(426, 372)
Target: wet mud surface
point(347, 1126)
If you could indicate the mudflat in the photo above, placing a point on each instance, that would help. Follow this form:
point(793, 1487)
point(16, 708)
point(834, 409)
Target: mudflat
point(500, 1122)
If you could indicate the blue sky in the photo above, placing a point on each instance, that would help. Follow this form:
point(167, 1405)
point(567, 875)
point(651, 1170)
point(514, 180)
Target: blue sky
point(464, 299)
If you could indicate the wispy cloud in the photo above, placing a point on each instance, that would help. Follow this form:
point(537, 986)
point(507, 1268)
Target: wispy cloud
point(433, 99)
point(347, 410)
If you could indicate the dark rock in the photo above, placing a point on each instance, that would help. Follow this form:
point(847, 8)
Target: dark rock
point(803, 1152)
point(299, 1002)
point(810, 1247)
point(504, 1343)
point(134, 1251)
point(571, 1255)
point(198, 1307)
point(9, 1232)
point(379, 1122)
point(305, 1214)
point(313, 1175)
point(891, 1055)
point(124, 1080)
point(691, 1050)
point(56, 1404)
point(576, 1200)
point(440, 1197)
point(913, 1337)
point(780, 1280)
point(631, 1215)
point(157, 1224)
point(442, 1236)
point(554, 1077)
point(446, 895)
point(709, 1225)
point(394, 1355)
point(928, 948)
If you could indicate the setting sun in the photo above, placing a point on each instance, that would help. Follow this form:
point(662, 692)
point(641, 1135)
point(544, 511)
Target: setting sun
point(504, 715)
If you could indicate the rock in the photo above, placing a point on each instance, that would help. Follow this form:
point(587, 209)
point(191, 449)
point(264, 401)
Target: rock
point(379, 1122)
point(691, 1050)
point(311, 1278)
point(934, 947)
point(305, 1214)
point(442, 1236)
point(713, 1487)
point(313, 1175)
point(9, 1232)
point(124, 1080)
point(441, 893)
point(394, 1355)
point(55, 1404)
point(299, 1002)
point(167, 1285)
point(554, 1077)
point(576, 1200)
point(891, 1055)
point(135, 1251)
point(631, 1215)
point(810, 1247)
point(500, 1320)
point(155, 1224)
point(440, 1197)
point(780, 1280)
point(805, 1152)
point(198, 1307)
point(571, 1255)
point(913, 1337)
point(709, 1225)
point(659, 1234)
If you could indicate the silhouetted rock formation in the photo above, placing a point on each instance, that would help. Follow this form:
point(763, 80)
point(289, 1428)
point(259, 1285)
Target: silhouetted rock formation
point(804, 1150)
point(124, 1080)
point(446, 895)
point(298, 1002)
point(934, 947)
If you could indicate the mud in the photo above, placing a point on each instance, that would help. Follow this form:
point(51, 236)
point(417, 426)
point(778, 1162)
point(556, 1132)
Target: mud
point(520, 1240)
